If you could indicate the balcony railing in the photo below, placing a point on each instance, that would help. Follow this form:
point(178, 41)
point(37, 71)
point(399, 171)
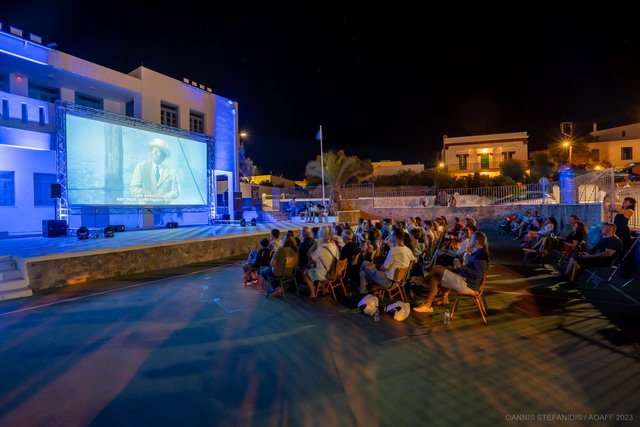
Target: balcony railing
point(477, 167)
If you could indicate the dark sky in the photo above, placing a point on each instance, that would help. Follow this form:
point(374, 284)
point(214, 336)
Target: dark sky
point(384, 83)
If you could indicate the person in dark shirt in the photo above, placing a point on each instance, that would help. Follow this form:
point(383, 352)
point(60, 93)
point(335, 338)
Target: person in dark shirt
point(464, 278)
point(601, 255)
point(350, 248)
point(304, 246)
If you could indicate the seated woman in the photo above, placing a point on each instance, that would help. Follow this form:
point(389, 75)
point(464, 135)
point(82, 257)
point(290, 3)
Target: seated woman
point(257, 259)
point(463, 278)
point(543, 230)
point(445, 257)
point(278, 265)
point(564, 244)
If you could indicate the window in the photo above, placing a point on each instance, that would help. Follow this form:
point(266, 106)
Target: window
point(626, 153)
point(507, 155)
point(43, 93)
point(5, 109)
point(41, 116)
point(595, 155)
point(624, 133)
point(7, 189)
point(25, 113)
point(196, 122)
point(42, 188)
point(462, 161)
point(4, 83)
point(128, 109)
point(89, 101)
point(484, 161)
point(169, 115)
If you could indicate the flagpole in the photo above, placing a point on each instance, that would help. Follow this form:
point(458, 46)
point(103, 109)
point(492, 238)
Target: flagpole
point(322, 166)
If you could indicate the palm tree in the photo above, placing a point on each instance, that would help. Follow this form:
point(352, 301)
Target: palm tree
point(339, 169)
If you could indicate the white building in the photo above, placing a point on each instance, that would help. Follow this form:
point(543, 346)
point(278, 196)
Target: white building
point(34, 76)
point(619, 146)
point(483, 153)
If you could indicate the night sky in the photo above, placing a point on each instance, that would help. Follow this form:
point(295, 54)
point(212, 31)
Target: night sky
point(385, 84)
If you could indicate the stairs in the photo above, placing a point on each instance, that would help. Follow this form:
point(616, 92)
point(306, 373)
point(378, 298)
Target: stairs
point(277, 216)
point(12, 285)
point(267, 216)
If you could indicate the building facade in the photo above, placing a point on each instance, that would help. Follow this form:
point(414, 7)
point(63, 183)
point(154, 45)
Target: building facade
point(392, 167)
point(618, 146)
point(34, 76)
point(483, 153)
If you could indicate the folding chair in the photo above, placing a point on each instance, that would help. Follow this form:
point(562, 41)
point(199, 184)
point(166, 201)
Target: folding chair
point(329, 285)
point(564, 256)
point(341, 273)
point(478, 299)
point(288, 276)
point(613, 267)
point(396, 287)
point(616, 266)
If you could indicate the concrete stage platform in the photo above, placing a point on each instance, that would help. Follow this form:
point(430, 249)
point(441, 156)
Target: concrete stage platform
point(40, 263)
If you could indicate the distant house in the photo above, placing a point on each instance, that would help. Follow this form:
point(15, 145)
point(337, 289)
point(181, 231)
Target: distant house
point(466, 155)
point(392, 167)
point(619, 146)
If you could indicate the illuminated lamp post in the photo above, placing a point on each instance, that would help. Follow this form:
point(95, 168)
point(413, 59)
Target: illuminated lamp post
point(567, 144)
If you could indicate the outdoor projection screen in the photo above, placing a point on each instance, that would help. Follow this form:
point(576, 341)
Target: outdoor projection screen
point(111, 164)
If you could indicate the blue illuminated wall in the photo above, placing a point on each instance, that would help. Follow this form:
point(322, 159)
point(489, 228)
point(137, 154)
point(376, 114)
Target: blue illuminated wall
point(24, 216)
point(226, 157)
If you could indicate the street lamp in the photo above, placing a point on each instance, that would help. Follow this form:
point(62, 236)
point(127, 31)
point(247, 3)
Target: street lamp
point(567, 144)
point(441, 165)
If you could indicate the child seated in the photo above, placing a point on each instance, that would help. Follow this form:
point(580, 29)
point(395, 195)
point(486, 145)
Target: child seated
point(256, 259)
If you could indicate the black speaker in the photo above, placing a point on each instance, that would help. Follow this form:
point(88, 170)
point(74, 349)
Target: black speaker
point(56, 191)
point(109, 231)
point(243, 222)
point(118, 228)
point(82, 233)
point(54, 228)
point(172, 225)
point(253, 222)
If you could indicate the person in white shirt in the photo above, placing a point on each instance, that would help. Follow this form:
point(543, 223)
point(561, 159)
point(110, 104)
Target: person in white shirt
point(326, 251)
point(399, 256)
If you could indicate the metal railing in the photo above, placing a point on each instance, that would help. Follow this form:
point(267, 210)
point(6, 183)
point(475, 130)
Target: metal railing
point(593, 186)
point(478, 167)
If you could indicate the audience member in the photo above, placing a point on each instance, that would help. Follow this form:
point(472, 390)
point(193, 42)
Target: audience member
point(398, 257)
point(322, 258)
point(464, 278)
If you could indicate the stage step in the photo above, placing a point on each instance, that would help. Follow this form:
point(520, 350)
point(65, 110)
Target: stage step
point(12, 285)
point(8, 264)
point(15, 293)
point(6, 275)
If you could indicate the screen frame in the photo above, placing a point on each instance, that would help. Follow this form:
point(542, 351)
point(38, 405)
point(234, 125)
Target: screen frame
point(65, 109)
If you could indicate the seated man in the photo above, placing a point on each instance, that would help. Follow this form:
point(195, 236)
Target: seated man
point(399, 256)
point(464, 278)
point(601, 255)
point(323, 258)
point(257, 258)
point(304, 246)
point(285, 256)
point(275, 241)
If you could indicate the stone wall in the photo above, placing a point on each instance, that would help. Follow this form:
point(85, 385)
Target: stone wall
point(487, 216)
point(65, 269)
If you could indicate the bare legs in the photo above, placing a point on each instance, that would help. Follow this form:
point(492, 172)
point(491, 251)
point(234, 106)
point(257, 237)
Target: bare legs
point(435, 277)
